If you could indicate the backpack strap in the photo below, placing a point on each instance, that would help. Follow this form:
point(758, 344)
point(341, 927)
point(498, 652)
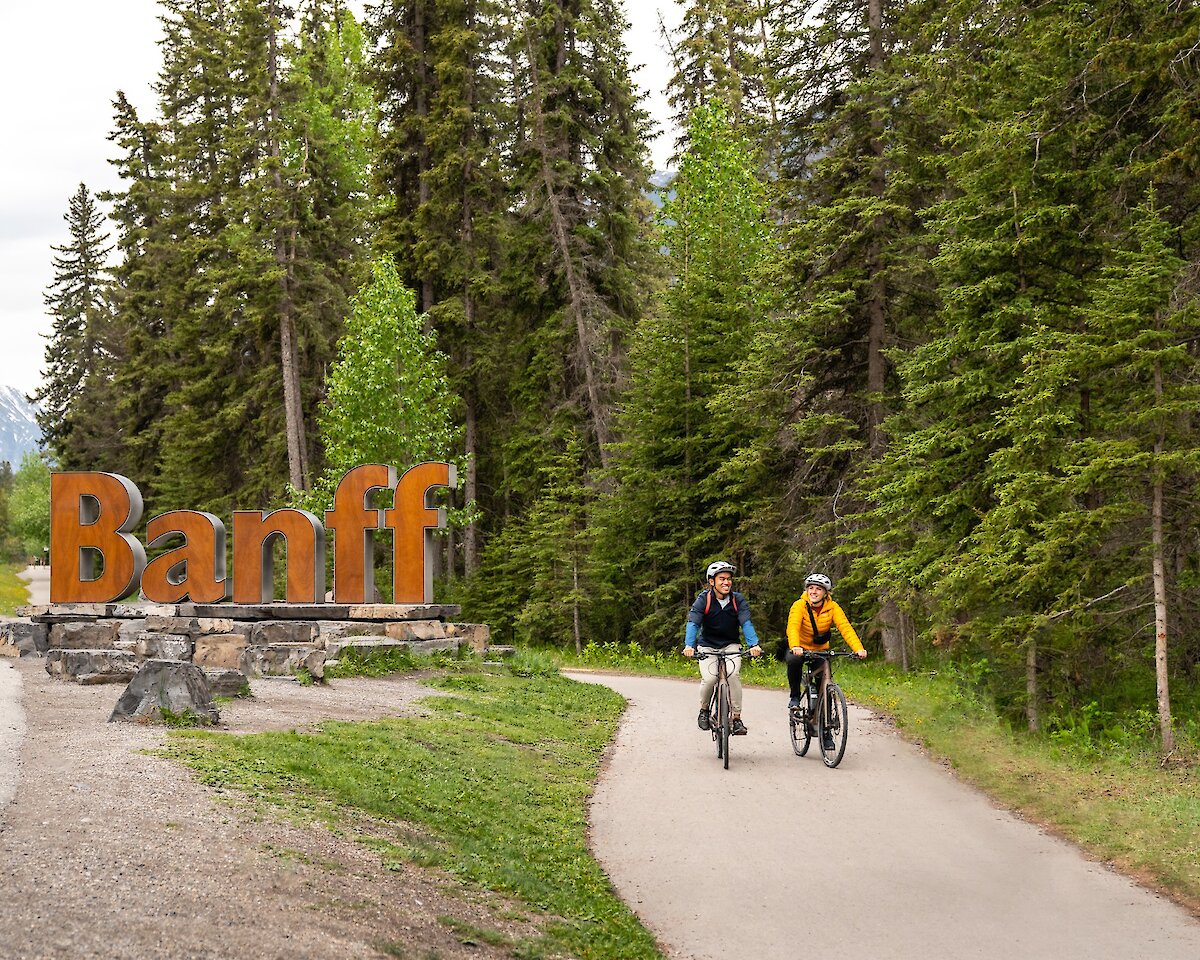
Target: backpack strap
point(817, 637)
point(708, 601)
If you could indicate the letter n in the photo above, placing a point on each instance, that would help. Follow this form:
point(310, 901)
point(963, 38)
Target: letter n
point(254, 535)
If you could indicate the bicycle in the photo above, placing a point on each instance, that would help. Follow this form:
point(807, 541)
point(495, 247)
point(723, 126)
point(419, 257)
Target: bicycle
point(720, 707)
point(832, 719)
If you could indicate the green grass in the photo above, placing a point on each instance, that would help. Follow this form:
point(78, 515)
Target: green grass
point(13, 591)
point(490, 786)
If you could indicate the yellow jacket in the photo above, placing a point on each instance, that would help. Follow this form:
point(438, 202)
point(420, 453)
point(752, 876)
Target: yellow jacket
point(799, 628)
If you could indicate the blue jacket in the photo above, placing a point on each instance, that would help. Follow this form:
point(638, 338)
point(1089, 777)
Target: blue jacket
point(720, 625)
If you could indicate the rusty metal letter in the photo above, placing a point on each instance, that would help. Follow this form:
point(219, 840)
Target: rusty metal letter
point(254, 535)
point(412, 522)
point(92, 513)
point(352, 523)
point(194, 571)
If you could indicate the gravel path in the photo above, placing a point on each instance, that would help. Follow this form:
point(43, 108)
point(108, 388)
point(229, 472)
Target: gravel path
point(108, 852)
point(887, 857)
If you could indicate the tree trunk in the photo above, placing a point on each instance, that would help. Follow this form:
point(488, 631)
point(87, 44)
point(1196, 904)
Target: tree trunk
point(1031, 686)
point(577, 304)
point(293, 412)
point(877, 329)
point(1160, 589)
point(575, 607)
point(422, 108)
point(470, 491)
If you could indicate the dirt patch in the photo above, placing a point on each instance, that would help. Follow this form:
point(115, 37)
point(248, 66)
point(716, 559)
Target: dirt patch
point(110, 852)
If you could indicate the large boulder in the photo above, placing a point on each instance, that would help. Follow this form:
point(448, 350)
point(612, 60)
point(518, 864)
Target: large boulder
point(227, 683)
point(163, 687)
point(275, 632)
point(24, 638)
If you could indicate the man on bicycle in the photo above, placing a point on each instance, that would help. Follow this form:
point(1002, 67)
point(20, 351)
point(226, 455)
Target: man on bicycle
point(808, 630)
point(713, 622)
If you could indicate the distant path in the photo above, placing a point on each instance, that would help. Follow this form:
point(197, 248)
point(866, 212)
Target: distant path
point(887, 857)
point(38, 579)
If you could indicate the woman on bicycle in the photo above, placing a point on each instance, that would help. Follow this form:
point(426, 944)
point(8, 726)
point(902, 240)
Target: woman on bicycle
point(808, 630)
point(713, 622)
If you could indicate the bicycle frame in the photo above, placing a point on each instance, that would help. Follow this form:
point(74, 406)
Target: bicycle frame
point(828, 732)
point(720, 704)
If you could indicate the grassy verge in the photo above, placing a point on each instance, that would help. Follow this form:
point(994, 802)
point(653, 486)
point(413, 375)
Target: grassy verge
point(13, 591)
point(490, 786)
point(1104, 789)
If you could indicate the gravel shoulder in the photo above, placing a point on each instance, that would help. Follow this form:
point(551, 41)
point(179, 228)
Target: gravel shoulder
point(111, 852)
point(888, 856)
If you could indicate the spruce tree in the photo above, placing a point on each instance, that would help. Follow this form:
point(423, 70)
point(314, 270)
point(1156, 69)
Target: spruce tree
point(74, 398)
point(670, 511)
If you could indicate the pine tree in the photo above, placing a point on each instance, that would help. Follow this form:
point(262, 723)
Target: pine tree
point(439, 78)
point(241, 224)
point(670, 511)
point(78, 365)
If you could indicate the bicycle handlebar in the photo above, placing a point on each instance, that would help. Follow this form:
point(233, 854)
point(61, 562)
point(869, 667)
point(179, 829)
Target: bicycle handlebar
point(744, 652)
point(829, 654)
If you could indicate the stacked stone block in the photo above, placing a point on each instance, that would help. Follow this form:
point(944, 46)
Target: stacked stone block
point(107, 643)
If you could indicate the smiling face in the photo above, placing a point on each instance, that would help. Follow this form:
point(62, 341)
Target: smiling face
point(816, 594)
point(722, 583)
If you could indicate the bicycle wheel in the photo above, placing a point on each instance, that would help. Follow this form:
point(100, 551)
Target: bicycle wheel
point(834, 723)
point(723, 709)
point(798, 722)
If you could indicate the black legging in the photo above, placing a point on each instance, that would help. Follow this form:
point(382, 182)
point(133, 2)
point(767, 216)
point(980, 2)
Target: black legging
point(795, 673)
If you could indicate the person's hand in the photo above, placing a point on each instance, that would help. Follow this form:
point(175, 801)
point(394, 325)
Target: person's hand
point(862, 654)
point(756, 651)
point(689, 651)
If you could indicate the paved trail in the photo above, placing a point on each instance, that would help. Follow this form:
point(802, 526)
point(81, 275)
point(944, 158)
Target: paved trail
point(886, 857)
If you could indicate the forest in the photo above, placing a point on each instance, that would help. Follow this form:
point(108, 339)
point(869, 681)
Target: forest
point(916, 306)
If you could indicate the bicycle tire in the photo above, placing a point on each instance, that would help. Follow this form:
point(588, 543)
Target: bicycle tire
point(798, 727)
point(834, 720)
point(726, 721)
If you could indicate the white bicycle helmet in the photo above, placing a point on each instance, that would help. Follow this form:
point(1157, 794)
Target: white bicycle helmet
point(820, 580)
point(719, 566)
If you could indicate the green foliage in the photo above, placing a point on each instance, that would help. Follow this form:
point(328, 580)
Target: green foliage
point(388, 398)
point(29, 504)
point(525, 751)
point(669, 511)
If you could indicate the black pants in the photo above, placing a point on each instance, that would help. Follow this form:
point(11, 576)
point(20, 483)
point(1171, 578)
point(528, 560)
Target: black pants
point(795, 673)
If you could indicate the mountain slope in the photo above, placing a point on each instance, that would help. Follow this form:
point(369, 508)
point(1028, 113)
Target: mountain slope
point(19, 432)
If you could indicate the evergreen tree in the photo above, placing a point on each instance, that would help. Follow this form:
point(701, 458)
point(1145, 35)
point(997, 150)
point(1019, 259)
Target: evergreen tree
point(670, 512)
point(241, 224)
point(439, 78)
point(78, 365)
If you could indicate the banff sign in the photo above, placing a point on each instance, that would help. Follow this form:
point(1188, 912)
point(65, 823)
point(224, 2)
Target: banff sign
point(94, 514)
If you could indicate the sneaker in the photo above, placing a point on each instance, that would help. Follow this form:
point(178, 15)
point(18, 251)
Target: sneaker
point(702, 720)
point(827, 742)
point(794, 703)
point(737, 728)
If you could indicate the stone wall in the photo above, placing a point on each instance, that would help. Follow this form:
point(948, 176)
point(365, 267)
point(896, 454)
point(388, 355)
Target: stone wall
point(108, 642)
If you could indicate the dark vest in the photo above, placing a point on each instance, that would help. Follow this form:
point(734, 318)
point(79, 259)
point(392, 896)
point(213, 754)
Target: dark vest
point(719, 627)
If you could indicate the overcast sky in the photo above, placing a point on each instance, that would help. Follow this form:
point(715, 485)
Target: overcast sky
point(62, 63)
